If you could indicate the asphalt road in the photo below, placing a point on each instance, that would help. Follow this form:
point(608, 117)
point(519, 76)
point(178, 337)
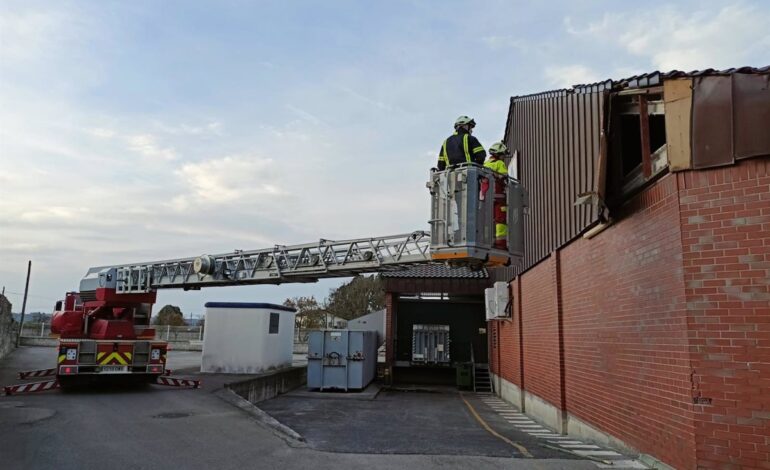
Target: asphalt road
point(434, 421)
point(160, 428)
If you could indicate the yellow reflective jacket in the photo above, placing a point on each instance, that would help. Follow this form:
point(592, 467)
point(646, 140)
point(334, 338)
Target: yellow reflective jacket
point(498, 166)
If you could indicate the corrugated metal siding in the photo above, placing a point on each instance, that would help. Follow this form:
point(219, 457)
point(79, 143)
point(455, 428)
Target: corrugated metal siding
point(752, 115)
point(712, 124)
point(557, 136)
point(730, 118)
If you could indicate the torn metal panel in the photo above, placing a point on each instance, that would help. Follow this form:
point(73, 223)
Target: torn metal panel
point(712, 122)
point(751, 101)
point(677, 95)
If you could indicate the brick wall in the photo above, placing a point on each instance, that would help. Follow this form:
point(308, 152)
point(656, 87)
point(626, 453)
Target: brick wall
point(725, 219)
point(626, 365)
point(540, 332)
point(506, 361)
point(665, 322)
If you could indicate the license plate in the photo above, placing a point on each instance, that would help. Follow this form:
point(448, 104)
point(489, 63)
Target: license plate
point(113, 369)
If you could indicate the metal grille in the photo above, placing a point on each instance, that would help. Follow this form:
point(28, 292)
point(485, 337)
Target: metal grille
point(430, 344)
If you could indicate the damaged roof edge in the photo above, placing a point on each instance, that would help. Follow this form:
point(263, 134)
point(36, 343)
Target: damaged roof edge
point(645, 80)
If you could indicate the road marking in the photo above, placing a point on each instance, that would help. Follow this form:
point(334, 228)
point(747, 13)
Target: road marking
point(597, 453)
point(523, 423)
point(484, 424)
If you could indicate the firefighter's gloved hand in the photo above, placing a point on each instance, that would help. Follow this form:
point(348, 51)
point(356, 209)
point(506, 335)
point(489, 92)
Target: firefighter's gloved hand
point(433, 170)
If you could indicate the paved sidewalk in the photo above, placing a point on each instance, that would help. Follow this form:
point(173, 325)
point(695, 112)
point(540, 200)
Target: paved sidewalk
point(512, 418)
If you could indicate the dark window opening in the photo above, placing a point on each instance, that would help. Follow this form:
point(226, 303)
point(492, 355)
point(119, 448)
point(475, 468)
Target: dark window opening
point(630, 143)
point(275, 319)
point(657, 131)
point(637, 150)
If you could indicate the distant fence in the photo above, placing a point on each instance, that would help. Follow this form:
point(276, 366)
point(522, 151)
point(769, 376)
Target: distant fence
point(166, 333)
point(162, 332)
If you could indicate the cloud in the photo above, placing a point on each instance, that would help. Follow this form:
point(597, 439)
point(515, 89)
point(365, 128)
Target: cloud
point(60, 213)
point(26, 35)
point(101, 132)
point(210, 128)
point(504, 42)
point(305, 115)
point(672, 38)
point(366, 99)
point(147, 145)
point(229, 179)
point(565, 76)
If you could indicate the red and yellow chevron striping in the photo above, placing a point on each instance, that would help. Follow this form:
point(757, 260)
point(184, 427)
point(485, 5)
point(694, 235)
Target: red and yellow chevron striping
point(117, 357)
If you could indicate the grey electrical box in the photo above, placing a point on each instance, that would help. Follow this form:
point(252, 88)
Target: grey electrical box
point(341, 359)
point(430, 345)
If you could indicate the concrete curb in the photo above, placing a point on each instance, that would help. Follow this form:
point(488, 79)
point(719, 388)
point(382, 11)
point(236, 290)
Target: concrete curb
point(652, 462)
point(261, 417)
point(368, 394)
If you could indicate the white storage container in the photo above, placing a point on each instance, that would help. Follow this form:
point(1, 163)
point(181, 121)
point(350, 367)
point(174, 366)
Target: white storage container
point(247, 338)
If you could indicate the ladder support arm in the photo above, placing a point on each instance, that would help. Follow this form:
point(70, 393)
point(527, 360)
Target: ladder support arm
point(296, 263)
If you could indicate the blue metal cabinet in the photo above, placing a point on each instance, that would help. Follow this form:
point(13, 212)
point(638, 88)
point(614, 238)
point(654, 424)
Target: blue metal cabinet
point(341, 359)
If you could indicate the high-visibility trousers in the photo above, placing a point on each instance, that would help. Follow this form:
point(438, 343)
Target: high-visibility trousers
point(501, 236)
point(501, 218)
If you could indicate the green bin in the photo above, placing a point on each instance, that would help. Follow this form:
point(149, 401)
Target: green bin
point(464, 374)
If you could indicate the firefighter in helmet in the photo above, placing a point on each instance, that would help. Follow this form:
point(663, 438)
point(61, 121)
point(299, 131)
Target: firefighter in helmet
point(496, 163)
point(461, 147)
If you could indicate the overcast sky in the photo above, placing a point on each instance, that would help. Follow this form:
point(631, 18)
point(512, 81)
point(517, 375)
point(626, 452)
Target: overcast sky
point(136, 131)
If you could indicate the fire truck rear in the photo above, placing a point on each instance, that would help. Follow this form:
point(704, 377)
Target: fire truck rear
point(102, 333)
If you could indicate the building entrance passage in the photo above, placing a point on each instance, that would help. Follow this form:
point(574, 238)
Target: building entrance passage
point(433, 336)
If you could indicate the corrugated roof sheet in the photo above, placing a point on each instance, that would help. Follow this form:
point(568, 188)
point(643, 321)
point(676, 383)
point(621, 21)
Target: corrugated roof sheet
point(435, 271)
point(644, 80)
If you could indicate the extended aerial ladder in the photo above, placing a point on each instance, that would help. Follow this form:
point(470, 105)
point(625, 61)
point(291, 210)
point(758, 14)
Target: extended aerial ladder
point(462, 234)
point(105, 327)
point(280, 264)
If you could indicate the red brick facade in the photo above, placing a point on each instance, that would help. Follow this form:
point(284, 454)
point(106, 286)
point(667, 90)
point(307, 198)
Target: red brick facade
point(657, 330)
point(725, 217)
